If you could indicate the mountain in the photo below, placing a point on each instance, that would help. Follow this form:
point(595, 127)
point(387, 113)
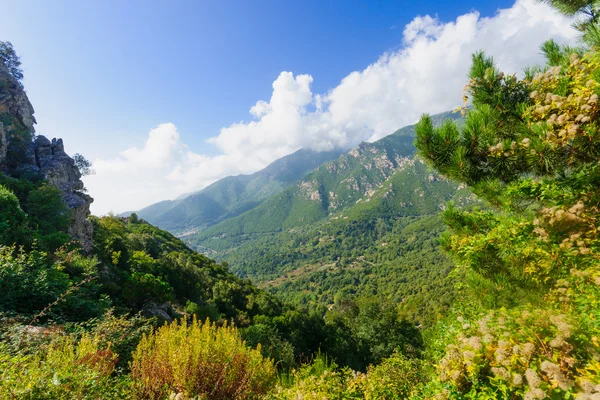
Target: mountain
point(335, 185)
point(233, 195)
point(366, 224)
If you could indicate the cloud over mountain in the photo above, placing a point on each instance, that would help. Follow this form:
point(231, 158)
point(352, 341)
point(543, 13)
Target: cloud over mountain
point(426, 75)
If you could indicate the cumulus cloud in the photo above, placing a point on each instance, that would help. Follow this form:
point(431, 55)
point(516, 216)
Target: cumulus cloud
point(426, 75)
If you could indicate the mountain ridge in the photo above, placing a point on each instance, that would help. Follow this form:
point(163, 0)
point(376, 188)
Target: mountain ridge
point(232, 195)
point(334, 185)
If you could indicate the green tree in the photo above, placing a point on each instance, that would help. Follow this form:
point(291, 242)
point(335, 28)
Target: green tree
point(530, 147)
point(83, 164)
point(11, 60)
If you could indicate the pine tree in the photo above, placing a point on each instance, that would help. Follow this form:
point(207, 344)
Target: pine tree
point(530, 147)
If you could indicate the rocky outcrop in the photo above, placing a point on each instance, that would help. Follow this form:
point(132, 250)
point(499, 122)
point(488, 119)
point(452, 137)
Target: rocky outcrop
point(60, 170)
point(14, 100)
point(21, 153)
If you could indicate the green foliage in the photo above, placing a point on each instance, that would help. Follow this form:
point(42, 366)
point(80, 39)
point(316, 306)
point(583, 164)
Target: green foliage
point(83, 164)
point(201, 360)
point(30, 281)
point(65, 369)
point(10, 59)
point(121, 333)
point(530, 147)
point(376, 330)
point(41, 214)
point(48, 215)
point(395, 378)
point(12, 218)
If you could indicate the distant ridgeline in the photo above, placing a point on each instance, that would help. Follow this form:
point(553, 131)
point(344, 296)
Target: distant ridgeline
point(233, 195)
point(365, 223)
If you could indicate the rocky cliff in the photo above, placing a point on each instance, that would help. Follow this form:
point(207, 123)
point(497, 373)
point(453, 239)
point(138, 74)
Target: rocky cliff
point(24, 154)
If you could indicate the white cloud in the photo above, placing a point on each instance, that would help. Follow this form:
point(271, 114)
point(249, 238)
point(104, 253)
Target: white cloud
point(425, 76)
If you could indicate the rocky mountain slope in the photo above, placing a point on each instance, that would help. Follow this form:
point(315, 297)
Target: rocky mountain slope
point(332, 187)
point(23, 154)
point(233, 195)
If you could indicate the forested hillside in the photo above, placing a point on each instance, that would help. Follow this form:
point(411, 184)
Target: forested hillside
point(385, 245)
point(233, 195)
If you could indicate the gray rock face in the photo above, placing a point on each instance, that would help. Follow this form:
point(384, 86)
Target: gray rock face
point(159, 311)
point(59, 169)
point(14, 100)
point(42, 156)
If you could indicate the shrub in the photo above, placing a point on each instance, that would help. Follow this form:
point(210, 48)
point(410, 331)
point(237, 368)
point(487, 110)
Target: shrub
point(12, 217)
point(201, 360)
point(121, 332)
point(48, 216)
point(321, 379)
point(395, 378)
point(65, 370)
point(29, 281)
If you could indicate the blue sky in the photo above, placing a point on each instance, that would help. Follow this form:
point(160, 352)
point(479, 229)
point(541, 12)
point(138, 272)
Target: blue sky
point(103, 74)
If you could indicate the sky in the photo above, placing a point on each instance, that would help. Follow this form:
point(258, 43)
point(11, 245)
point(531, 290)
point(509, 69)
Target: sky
point(167, 97)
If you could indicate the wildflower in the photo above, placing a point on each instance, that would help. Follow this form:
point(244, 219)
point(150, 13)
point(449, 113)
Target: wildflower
point(517, 380)
point(557, 342)
point(475, 342)
point(501, 373)
point(535, 394)
point(563, 327)
point(553, 372)
point(532, 378)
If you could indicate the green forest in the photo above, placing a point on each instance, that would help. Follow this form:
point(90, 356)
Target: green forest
point(469, 271)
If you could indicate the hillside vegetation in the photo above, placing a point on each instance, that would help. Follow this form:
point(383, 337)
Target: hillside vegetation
point(141, 315)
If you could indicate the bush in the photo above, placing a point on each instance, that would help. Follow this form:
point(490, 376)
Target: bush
point(199, 360)
point(121, 332)
point(12, 217)
point(65, 370)
point(29, 281)
point(48, 216)
point(395, 378)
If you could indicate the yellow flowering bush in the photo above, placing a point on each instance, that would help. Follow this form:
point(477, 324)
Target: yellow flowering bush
point(199, 360)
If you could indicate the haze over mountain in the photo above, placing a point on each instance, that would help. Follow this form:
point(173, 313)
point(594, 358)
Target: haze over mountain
point(232, 195)
point(335, 185)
